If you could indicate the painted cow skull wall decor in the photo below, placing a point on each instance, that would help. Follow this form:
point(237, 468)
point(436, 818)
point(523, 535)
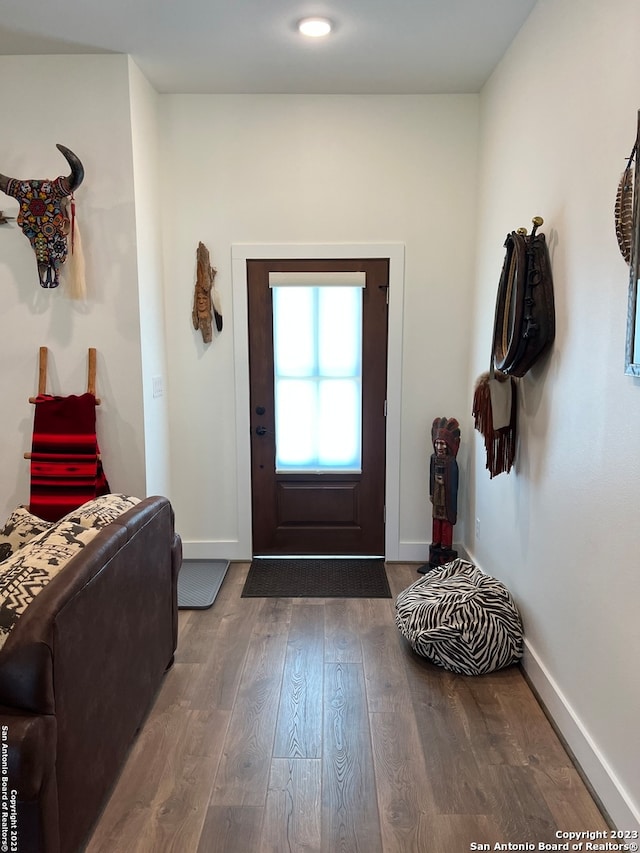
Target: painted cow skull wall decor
point(44, 215)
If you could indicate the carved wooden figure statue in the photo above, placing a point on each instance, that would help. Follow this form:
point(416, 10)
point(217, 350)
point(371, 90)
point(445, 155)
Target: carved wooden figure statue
point(443, 489)
point(206, 304)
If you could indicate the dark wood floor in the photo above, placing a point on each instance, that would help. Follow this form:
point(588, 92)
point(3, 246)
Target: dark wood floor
point(310, 725)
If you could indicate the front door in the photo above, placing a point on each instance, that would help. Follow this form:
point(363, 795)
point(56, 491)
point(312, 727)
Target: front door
point(318, 403)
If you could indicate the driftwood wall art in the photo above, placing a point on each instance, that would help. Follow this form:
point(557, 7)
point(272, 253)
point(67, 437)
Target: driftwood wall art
point(206, 300)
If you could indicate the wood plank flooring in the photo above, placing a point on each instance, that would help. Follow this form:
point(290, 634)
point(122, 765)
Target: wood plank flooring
point(309, 725)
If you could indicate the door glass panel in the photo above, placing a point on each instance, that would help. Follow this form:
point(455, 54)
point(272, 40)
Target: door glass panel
point(317, 345)
point(295, 427)
point(339, 423)
point(339, 332)
point(293, 335)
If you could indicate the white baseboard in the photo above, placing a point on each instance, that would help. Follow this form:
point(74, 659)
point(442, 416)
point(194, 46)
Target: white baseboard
point(233, 549)
point(409, 552)
point(418, 552)
point(624, 814)
point(210, 550)
point(605, 785)
point(413, 552)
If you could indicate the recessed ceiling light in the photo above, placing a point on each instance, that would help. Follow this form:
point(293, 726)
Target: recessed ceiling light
point(315, 27)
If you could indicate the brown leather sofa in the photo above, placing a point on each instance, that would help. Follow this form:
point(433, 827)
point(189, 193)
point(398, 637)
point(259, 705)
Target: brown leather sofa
point(78, 674)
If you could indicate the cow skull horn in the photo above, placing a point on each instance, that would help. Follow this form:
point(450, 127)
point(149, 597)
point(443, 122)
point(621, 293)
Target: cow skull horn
point(77, 169)
point(72, 182)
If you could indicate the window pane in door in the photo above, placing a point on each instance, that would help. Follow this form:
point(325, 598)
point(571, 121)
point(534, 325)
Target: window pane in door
point(339, 331)
point(294, 345)
point(318, 377)
point(339, 423)
point(296, 404)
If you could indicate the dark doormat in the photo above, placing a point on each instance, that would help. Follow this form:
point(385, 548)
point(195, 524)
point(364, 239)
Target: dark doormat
point(199, 582)
point(316, 578)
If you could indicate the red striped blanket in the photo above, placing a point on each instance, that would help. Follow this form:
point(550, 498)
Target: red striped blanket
point(65, 469)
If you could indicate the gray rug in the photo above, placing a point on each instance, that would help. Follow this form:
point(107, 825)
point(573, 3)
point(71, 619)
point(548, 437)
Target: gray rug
point(303, 577)
point(199, 582)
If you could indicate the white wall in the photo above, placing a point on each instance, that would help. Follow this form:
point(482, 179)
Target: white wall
point(319, 169)
point(558, 121)
point(83, 103)
point(149, 198)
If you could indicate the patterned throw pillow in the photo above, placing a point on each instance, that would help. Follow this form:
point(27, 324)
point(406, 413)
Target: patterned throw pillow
point(30, 569)
point(101, 511)
point(19, 529)
point(461, 619)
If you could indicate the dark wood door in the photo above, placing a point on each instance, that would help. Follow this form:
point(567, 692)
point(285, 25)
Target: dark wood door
point(325, 512)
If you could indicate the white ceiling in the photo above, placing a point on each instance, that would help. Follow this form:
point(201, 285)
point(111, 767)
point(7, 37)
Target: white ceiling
point(252, 46)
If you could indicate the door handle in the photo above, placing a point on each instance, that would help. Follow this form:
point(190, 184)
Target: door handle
point(261, 430)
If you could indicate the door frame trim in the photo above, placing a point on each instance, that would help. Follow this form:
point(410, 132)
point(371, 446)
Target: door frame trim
point(240, 254)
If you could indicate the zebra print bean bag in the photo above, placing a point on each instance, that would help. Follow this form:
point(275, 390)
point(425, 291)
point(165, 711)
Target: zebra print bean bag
point(461, 619)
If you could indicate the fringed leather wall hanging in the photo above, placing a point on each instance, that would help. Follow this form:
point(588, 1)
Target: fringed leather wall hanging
point(47, 215)
point(524, 329)
point(495, 407)
point(206, 300)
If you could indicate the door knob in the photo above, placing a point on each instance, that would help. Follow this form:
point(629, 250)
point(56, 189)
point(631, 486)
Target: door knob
point(261, 430)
